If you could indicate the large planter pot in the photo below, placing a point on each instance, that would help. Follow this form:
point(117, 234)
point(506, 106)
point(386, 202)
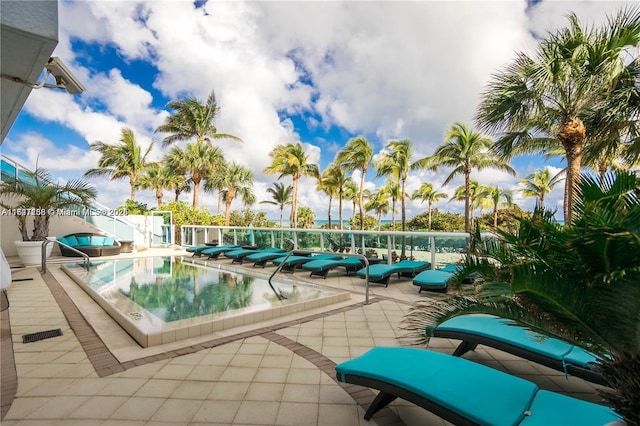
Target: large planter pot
point(30, 252)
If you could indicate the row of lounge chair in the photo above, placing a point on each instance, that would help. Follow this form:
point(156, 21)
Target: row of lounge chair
point(465, 392)
point(321, 264)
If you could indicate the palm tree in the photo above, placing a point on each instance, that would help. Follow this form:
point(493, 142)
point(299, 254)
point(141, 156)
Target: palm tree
point(357, 155)
point(193, 119)
point(36, 192)
point(494, 195)
point(291, 160)
point(178, 182)
point(156, 177)
point(464, 150)
point(378, 203)
point(393, 189)
point(578, 93)
point(578, 283)
point(329, 187)
point(121, 160)
point(474, 194)
point(426, 193)
point(281, 196)
point(352, 192)
point(199, 160)
point(396, 162)
point(307, 216)
point(539, 184)
point(337, 177)
point(238, 180)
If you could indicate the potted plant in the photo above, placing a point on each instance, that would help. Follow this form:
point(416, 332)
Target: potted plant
point(38, 198)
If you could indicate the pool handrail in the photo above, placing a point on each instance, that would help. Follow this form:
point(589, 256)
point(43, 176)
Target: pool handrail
point(87, 260)
point(311, 252)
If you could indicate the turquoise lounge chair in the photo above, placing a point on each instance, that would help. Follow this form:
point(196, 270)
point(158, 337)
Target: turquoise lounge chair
point(238, 256)
point(262, 257)
point(214, 252)
point(509, 336)
point(321, 267)
point(381, 273)
point(464, 392)
point(295, 261)
point(435, 279)
point(197, 250)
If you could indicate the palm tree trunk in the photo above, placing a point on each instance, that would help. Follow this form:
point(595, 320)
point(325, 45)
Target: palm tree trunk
point(361, 202)
point(281, 213)
point(467, 201)
point(429, 215)
point(219, 202)
point(330, 200)
point(340, 207)
point(132, 190)
point(393, 212)
point(403, 206)
point(227, 208)
point(196, 189)
point(159, 196)
point(572, 134)
point(495, 217)
point(294, 203)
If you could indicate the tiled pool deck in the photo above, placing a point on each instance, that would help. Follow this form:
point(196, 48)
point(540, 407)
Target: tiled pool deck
point(279, 372)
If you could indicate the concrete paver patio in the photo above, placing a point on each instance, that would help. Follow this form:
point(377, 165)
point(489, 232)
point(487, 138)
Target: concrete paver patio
point(274, 373)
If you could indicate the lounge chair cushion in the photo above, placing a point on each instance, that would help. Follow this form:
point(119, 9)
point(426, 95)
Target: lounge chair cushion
point(322, 264)
point(97, 240)
point(466, 389)
point(509, 331)
point(432, 279)
point(450, 267)
point(382, 270)
point(462, 386)
point(84, 240)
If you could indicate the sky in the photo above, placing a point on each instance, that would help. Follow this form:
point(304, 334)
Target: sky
point(313, 72)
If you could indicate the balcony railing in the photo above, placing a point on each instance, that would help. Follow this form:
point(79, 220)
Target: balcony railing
point(438, 248)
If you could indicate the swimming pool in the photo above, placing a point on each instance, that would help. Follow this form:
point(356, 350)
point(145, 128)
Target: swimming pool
point(160, 300)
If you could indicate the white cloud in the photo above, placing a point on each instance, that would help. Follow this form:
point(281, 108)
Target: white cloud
point(384, 69)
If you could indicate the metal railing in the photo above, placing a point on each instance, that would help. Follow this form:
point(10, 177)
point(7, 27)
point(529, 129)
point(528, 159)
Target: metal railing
point(387, 243)
point(87, 259)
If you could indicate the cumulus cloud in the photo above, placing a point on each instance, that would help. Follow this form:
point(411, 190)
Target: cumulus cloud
point(387, 70)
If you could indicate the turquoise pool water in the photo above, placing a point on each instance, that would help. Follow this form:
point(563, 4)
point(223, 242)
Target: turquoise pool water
point(163, 299)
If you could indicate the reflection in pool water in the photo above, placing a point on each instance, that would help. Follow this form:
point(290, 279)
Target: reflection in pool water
point(162, 299)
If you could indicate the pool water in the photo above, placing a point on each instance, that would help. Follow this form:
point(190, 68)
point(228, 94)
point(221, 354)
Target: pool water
point(159, 300)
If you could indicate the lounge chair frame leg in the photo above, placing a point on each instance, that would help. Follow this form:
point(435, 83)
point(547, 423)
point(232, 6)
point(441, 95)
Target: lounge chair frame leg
point(381, 400)
point(464, 347)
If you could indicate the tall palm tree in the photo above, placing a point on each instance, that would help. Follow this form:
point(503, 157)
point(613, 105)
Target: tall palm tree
point(281, 196)
point(539, 184)
point(193, 119)
point(337, 178)
point(578, 93)
point(494, 195)
point(125, 159)
point(465, 149)
point(378, 203)
point(393, 189)
point(327, 185)
point(156, 177)
point(396, 162)
point(199, 160)
point(352, 193)
point(291, 160)
point(474, 194)
point(426, 193)
point(357, 155)
point(238, 180)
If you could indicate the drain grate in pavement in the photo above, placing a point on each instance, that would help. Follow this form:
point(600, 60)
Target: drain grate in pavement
point(41, 335)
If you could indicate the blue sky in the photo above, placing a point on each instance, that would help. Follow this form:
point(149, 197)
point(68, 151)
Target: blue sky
point(315, 72)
